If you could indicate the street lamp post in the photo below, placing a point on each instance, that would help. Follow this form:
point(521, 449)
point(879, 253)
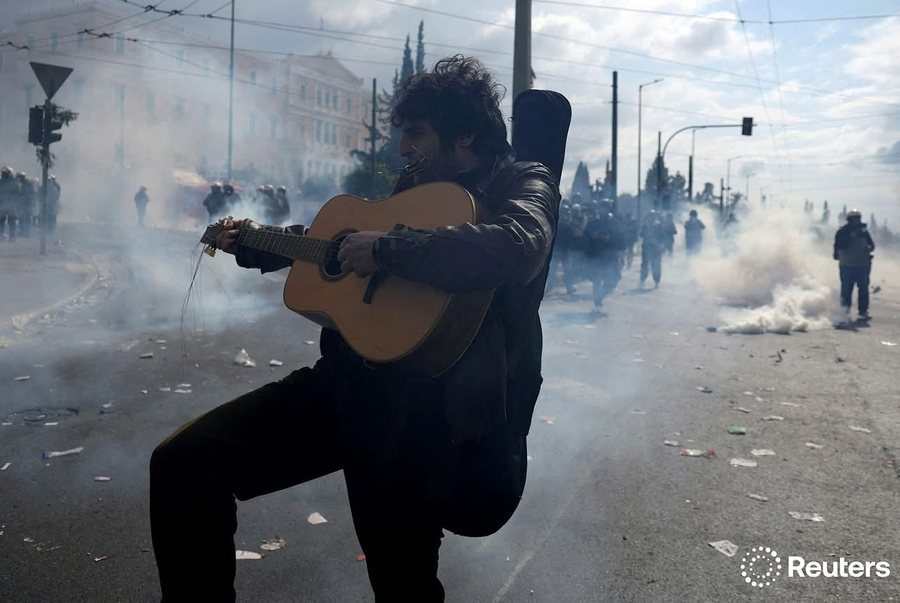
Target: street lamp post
point(640, 93)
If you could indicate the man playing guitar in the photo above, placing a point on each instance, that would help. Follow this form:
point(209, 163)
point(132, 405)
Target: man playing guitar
point(442, 453)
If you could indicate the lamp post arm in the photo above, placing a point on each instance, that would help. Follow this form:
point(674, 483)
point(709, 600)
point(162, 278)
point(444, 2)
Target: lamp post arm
point(695, 128)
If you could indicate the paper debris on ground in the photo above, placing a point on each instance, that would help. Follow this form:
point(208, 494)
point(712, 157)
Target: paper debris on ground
point(740, 409)
point(274, 362)
point(243, 555)
point(890, 344)
point(637, 412)
point(272, 544)
point(737, 430)
point(726, 547)
point(670, 443)
point(146, 355)
point(860, 429)
point(54, 453)
point(309, 342)
point(793, 404)
point(5, 466)
point(742, 463)
point(708, 453)
point(762, 452)
point(758, 497)
point(773, 418)
point(183, 391)
point(243, 359)
point(813, 445)
point(316, 518)
point(165, 389)
point(549, 420)
point(806, 516)
point(704, 389)
point(22, 378)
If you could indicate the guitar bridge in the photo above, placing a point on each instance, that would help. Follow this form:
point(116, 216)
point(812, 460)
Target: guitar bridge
point(210, 251)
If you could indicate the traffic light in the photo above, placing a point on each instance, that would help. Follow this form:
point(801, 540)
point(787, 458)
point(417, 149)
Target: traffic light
point(747, 126)
point(50, 134)
point(36, 125)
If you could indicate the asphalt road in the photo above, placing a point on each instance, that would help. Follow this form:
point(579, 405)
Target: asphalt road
point(610, 512)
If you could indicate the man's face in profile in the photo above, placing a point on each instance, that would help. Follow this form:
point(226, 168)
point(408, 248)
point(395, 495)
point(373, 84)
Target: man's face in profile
point(421, 142)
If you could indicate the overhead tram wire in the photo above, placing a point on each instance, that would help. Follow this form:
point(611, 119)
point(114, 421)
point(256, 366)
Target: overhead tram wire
point(712, 18)
point(762, 93)
point(624, 51)
point(787, 145)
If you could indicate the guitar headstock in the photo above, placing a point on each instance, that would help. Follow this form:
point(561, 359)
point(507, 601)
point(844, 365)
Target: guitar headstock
point(211, 234)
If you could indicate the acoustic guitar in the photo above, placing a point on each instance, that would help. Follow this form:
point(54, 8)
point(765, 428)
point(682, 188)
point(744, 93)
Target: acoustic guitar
point(416, 328)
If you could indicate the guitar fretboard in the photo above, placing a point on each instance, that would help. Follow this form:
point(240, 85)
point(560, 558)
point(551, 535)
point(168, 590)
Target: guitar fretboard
point(290, 245)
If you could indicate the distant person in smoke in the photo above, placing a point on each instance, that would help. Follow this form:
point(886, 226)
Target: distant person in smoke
point(604, 243)
point(693, 233)
point(27, 201)
point(418, 456)
point(654, 233)
point(669, 231)
point(853, 247)
point(631, 230)
point(215, 202)
point(141, 199)
point(232, 198)
point(284, 207)
point(9, 203)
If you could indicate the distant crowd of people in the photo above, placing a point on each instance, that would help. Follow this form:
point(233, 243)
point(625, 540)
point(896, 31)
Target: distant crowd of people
point(594, 243)
point(271, 202)
point(20, 207)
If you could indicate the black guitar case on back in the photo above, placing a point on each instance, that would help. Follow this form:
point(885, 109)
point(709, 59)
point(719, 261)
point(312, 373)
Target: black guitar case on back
point(540, 127)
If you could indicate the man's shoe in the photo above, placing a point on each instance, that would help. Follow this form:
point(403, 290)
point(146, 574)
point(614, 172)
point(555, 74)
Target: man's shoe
point(865, 316)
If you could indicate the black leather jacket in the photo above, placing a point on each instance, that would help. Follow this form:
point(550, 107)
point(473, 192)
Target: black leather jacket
point(498, 379)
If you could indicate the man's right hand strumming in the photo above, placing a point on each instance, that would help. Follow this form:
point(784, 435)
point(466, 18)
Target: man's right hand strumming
point(227, 239)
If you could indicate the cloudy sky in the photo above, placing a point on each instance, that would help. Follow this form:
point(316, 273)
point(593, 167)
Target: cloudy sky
point(822, 81)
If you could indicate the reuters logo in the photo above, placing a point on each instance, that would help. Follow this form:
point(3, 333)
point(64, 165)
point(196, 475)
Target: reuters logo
point(760, 566)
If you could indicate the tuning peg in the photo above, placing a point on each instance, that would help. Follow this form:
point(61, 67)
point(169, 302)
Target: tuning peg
point(210, 251)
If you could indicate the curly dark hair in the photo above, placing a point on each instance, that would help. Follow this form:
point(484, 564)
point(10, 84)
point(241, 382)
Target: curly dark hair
point(459, 97)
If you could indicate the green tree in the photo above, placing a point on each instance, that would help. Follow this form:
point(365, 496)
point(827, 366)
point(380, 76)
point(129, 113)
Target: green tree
point(420, 49)
point(60, 114)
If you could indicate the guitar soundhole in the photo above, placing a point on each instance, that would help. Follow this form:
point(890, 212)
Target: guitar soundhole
point(331, 267)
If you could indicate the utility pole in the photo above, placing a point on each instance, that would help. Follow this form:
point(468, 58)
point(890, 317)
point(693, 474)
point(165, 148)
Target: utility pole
point(522, 48)
point(373, 137)
point(614, 171)
point(639, 174)
point(231, 98)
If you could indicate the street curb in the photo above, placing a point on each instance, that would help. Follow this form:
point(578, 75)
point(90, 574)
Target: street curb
point(21, 320)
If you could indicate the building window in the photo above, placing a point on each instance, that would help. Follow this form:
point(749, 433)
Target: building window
point(303, 132)
point(318, 128)
point(302, 91)
point(334, 133)
point(179, 108)
point(120, 44)
point(274, 84)
point(349, 105)
point(253, 78)
point(252, 124)
point(273, 127)
point(318, 97)
point(334, 100)
point(54, 41)
point(119, 102)
point(151, 103)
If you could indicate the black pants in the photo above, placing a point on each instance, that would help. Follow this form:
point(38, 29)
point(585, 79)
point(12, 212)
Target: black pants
point(857, 276)
point(391, 443)
point(651, 262)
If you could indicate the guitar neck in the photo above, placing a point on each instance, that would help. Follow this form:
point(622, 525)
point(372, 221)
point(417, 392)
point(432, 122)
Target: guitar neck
point(289, 245)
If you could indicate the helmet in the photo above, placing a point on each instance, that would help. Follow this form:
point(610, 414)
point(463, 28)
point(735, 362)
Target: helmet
point(21, 175)
point(282, 188)
point(693, 213)
point(6, 171)
point(854, 213)
point(216, 186)
point(228, 188)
